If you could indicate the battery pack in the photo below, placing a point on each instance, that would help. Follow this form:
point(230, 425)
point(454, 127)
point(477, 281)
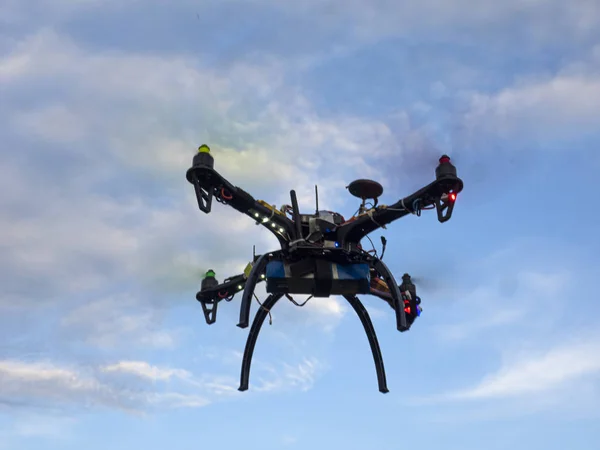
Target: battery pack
point(316, 277)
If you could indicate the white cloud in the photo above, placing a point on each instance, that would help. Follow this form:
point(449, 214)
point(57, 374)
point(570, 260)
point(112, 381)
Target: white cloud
point(530, 374)
point(98, 201)
point(43, 384)
point(562, 104)
point(325, 312)
point(110, 128)
point(137, 386)
point(300, 376)
point(504, 291)
point(549, 107)
point(145, 370)
point(109, 322)
point(277, 133)
point(521, 349)
point(75, 238)
point(38, 384)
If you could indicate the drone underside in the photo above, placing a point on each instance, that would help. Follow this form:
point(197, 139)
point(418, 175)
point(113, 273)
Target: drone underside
point(320, 253)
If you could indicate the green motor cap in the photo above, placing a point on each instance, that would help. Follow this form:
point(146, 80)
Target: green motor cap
point(203, 158)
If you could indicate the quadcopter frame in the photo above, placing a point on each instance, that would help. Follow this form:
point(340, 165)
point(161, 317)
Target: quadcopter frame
point(343, 247)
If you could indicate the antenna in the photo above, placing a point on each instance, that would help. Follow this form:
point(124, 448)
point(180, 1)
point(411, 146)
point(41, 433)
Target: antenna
point(317, 201)
point(296, 214)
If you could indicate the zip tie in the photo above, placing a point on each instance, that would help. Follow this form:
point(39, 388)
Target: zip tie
point(370, 214)
point(406, 209)
point(267, 310)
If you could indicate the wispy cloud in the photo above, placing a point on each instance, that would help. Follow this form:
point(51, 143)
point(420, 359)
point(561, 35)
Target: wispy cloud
point(49, 385)
point(299, 376)
point(136, 386)
point(107, 323)
point(504, 301)
point(562, 106)
point(529, 374)
point(102, 245)
point(111, 235)
point(145, 370)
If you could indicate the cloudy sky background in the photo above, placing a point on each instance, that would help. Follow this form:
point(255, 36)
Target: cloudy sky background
point(102, 343)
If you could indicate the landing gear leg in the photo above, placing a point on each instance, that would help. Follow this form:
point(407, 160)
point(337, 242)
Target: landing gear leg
point(363, 315)
point(259, 319)
point(401, 322)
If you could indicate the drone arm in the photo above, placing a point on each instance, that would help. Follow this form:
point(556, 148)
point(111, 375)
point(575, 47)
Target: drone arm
point(209, 184)
point(210, 298)
point(437, 193)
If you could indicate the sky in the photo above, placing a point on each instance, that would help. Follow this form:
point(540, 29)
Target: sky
point(102, 246)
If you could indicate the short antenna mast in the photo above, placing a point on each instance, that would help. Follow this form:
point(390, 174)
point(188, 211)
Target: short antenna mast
point(316, 201)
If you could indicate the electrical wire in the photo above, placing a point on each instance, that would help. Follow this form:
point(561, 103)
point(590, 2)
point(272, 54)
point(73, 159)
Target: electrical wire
point(267, 310)
point(291, 299)
point(374, 249)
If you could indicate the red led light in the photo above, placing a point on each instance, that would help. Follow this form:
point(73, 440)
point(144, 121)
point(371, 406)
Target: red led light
point(407, 310)
point(452, 196)
point(444, 159)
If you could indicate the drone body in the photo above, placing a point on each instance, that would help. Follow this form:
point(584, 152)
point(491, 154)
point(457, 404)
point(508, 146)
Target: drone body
point(320, 254)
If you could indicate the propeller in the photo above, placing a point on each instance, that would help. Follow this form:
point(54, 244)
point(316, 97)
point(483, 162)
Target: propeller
point(476, 159)
point(426, 283)
point(169, 267)
point(179, 273)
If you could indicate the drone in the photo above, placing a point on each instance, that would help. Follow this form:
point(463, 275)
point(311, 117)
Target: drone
point(320, 254)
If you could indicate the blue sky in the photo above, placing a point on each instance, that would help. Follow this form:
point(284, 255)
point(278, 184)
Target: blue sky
point(102, 343)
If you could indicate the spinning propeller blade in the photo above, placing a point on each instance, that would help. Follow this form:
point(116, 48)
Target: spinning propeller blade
point(425, 284)
point(180, 275)
point(173, 270)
